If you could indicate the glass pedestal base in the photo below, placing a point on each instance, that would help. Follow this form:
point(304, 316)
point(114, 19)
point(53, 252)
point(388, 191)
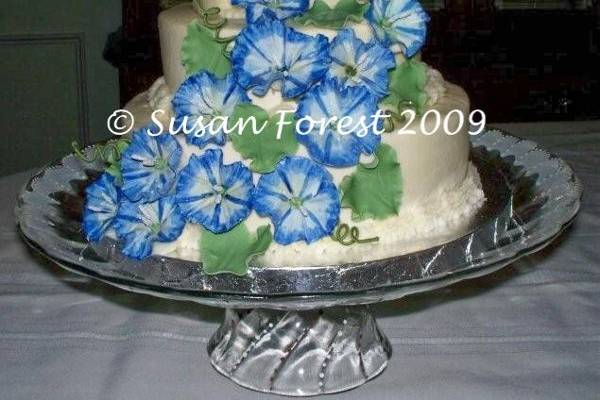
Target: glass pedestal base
point(532, 196)
point(300, 353)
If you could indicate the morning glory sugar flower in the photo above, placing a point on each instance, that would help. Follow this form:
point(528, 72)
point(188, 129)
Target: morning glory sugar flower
point(355, 62)
point(301, 200)
point(338, 147)
point(149, 166)
point(400, 23)
point(215, 195)
point(101, 205)
point(282, 9)
point(138, 225)
point(203, 97)
point(268, 52)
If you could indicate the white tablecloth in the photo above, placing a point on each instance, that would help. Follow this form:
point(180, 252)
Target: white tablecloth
point(531, 331)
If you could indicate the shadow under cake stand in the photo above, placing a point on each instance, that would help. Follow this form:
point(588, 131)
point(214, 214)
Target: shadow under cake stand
point(308, 331)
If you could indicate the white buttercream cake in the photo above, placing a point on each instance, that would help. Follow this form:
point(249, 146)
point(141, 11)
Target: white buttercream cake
point(438, 189)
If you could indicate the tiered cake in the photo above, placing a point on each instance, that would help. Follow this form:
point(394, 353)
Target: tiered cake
point(299, 192)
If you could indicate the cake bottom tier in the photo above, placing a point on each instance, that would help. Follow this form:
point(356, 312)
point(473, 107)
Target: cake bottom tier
point(443, 216)
point(441, 195)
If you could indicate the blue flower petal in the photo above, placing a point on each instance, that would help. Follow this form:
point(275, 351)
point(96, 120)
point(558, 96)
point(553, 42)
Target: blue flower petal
point(201, 98)
point(101, 206)
point(268, 51)
point(138, 246)
point(301, 200)
point(149, 166)
point(281, 9)
point(354, 63)
point(399, 22)
point(139, 225)
point(331, 99)
point(214, 195)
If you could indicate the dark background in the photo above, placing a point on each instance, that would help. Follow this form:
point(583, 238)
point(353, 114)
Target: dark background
point(519, 60)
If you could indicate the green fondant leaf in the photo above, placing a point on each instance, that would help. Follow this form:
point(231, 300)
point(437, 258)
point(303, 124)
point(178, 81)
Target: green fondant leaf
point(232, 251)
point(265, 149)
point(374, 192)
point(322, 15)
point(122, 145)
point(201, 51)
point(407, 87)
point(115, 171)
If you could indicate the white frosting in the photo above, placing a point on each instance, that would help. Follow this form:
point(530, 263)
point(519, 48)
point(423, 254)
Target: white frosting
point(272, 101)
point(435, 87)
point(159, 95)
point(172, 26)
point(441, 190)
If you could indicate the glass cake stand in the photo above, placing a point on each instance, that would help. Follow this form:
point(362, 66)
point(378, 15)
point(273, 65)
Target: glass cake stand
point(307, 331)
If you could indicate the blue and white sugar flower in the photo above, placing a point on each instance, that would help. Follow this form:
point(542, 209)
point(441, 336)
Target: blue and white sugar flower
point(139, 225)
point(201, 98)
point(149, 166)
point(215, 195)
point(101, 205)
point(341, 141)
point(301, 200)
point(355, 62)
point(282, 9)
point(399, 23)
point(269, 53)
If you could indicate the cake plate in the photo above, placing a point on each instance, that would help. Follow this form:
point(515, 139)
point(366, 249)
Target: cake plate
point(308, 331)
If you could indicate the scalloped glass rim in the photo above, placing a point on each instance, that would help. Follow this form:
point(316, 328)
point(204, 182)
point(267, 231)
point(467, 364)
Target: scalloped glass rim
point(533, 196)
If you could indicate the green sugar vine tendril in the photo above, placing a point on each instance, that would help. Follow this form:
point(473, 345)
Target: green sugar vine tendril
point(347, 236)
point(389, 124)
point(108, 153)
point(212, 19)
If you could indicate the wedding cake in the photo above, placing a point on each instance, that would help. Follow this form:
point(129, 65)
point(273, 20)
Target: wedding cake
point(363, 155)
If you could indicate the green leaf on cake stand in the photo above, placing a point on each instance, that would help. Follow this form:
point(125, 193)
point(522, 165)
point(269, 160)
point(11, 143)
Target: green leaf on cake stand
point(264, 149)
point(202, 50)
point(407, 87)
point(323, 16)
point(232, 251)
point(374, 191)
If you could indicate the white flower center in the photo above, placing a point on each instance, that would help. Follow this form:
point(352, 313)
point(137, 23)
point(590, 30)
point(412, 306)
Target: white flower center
point(219, 193)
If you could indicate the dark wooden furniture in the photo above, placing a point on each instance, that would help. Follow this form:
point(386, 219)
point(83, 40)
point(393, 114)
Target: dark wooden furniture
point(135, 48)
point(517, 65)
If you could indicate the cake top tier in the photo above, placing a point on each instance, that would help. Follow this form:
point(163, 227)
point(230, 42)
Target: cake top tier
point(395, 25)
point(399, 24)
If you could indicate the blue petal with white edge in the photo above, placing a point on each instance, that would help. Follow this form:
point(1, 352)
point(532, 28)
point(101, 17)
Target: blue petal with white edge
point(200, 99)
point(139, 225)
point(149, 166)
point(301, 200)
point(355, 62)
point(215, 195)
point(282, 9)
point(269, 53)
point(400, 23)
point(101, 205)
point(339, 148)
